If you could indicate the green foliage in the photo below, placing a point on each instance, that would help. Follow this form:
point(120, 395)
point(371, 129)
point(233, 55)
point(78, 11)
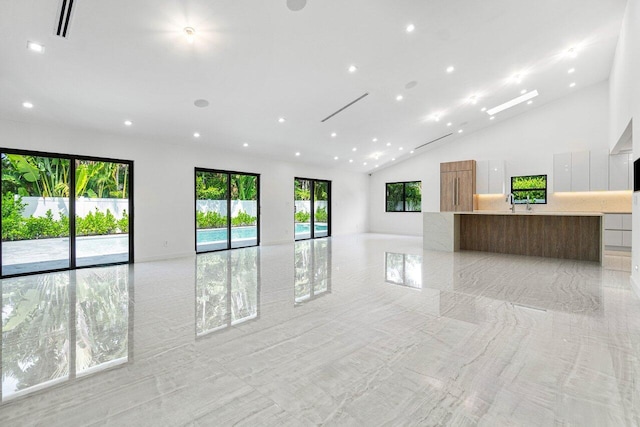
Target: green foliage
point(395, 202)
point(244, 187)
point(211, 186)
point(302, 189)
point(15, 227)
point(302, 216)
point(321, 215)
point(536, 182)
point(210, 219)
point(243, 219)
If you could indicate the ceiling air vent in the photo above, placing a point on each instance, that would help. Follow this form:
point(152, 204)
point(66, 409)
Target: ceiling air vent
point(344, 108)
point(433, 140)
point(64, 17)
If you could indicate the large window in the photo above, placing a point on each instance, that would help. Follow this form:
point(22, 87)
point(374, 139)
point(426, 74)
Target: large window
point(227, 210)
point(312, 221)
point(532, 188)
point(404, 196)
point(63, 211)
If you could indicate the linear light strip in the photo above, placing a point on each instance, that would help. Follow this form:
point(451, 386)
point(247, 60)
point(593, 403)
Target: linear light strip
point(519, 100)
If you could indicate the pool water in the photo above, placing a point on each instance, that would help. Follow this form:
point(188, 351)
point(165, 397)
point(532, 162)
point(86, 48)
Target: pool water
point(239, 233)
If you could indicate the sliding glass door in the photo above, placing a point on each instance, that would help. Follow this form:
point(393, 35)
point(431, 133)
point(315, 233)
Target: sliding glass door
point(63, 211)
point(312, 221)
point(227, 210)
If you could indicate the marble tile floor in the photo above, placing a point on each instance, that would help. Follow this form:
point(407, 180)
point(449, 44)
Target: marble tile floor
point(352, 330)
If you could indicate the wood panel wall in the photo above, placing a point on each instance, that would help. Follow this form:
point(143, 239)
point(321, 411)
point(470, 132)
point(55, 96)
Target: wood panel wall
point(568, 237)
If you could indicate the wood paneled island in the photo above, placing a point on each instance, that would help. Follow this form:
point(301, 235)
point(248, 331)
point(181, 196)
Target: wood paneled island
point(568, 235)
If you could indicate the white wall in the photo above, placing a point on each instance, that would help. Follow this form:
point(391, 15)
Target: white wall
point(526, 142)
point(163, 171)
point(625, 106)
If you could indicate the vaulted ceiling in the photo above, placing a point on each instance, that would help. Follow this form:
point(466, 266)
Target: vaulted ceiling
point(258, 61)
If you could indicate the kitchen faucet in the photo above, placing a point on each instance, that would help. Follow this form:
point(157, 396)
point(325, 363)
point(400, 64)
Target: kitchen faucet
point(511, 199)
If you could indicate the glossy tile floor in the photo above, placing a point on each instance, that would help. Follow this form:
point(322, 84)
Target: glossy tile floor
point(356, 330)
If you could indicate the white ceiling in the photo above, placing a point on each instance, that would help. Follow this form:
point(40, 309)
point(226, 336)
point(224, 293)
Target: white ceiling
point(256, 61)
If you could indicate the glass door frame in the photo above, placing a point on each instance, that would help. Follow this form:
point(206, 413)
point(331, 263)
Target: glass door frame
point(229, 175)
point(312, 217)
point(73, 158)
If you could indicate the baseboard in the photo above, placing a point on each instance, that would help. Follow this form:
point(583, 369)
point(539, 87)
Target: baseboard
point(634, 286)
point(165, 257)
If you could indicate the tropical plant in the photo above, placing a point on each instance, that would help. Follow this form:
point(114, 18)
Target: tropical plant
point(244, 187)
point(210, 219)
point(211, 186)
point(321, 215)
point(243, 219)
point(302, 190)
point(302, 216)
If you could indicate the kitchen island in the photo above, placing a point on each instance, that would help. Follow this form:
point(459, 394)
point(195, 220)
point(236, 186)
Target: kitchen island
point(568, 235)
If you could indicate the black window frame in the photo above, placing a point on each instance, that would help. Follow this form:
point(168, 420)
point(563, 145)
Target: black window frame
point(312, 218)
point(229, 225)
point(72, 158)
point(404, 196)
point(532, 201)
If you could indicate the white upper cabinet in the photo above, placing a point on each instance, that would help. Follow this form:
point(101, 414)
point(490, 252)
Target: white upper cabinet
point(562, 172)
point(580, 171)
point(620, 172)
point(490, 177)
point(599, 170)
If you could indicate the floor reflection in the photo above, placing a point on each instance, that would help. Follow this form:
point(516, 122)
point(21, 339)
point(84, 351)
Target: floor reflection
point(312, 269)
point(43, 314)
point(403, 269)
point(227, 289)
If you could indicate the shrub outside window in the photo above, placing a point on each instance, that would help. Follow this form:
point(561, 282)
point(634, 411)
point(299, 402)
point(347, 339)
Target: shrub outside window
point(404, 196)
point(531, 187)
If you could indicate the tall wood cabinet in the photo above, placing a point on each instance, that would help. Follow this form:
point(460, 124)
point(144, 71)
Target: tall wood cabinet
point(458, 186)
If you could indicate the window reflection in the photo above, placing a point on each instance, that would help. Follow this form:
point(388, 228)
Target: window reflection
point(312, 269)
point(42, 314)
point(403, 269)
point(227, 289)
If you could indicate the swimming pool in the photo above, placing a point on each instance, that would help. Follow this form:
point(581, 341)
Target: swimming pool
point(238, 233)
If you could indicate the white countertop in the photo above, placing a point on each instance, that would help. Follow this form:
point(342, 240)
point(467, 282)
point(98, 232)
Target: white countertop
point(529, 213)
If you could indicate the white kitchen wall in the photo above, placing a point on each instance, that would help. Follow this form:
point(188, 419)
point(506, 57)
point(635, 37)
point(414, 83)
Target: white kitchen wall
point(163, 184)
point(526, 142)
point(625, 106)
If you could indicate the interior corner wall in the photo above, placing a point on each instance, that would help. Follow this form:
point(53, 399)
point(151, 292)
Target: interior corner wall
point(164, 185)
point(526, 143)
point(625, 106)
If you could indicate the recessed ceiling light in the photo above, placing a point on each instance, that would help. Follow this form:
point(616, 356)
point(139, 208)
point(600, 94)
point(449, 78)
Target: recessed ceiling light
point(335, 158)
point(196, 135)
point(27, 104)
point(352, 68)
point(376, 166)
point(350, 160)
point(572, 84)
point(517, 78)
point(245, 144)
point(492, 117)
point(375, 139)
point(523, 91)
point(460, 131)
point(333, 135)
point(36, 47)
point(399, 98)
point(483, 109)
point(450, 69)
point(572, 52)
point(400, 148)
point(364, 164)
point(354, 149)
point(473, 99)
point(297, 153)
point(529, 102)
point(281, 120)
point(190, 34)
point(449, 124)
point(393, 159)
point(388, 144)
point(410, 28)
point(128, 122)
point(411, 152)
point(527, 96)
point(436, 117)
point(571, 70)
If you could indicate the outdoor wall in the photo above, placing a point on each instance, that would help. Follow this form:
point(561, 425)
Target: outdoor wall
point(38, 206)
point(525, 142)
point(163, 184)
point(625, 106)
